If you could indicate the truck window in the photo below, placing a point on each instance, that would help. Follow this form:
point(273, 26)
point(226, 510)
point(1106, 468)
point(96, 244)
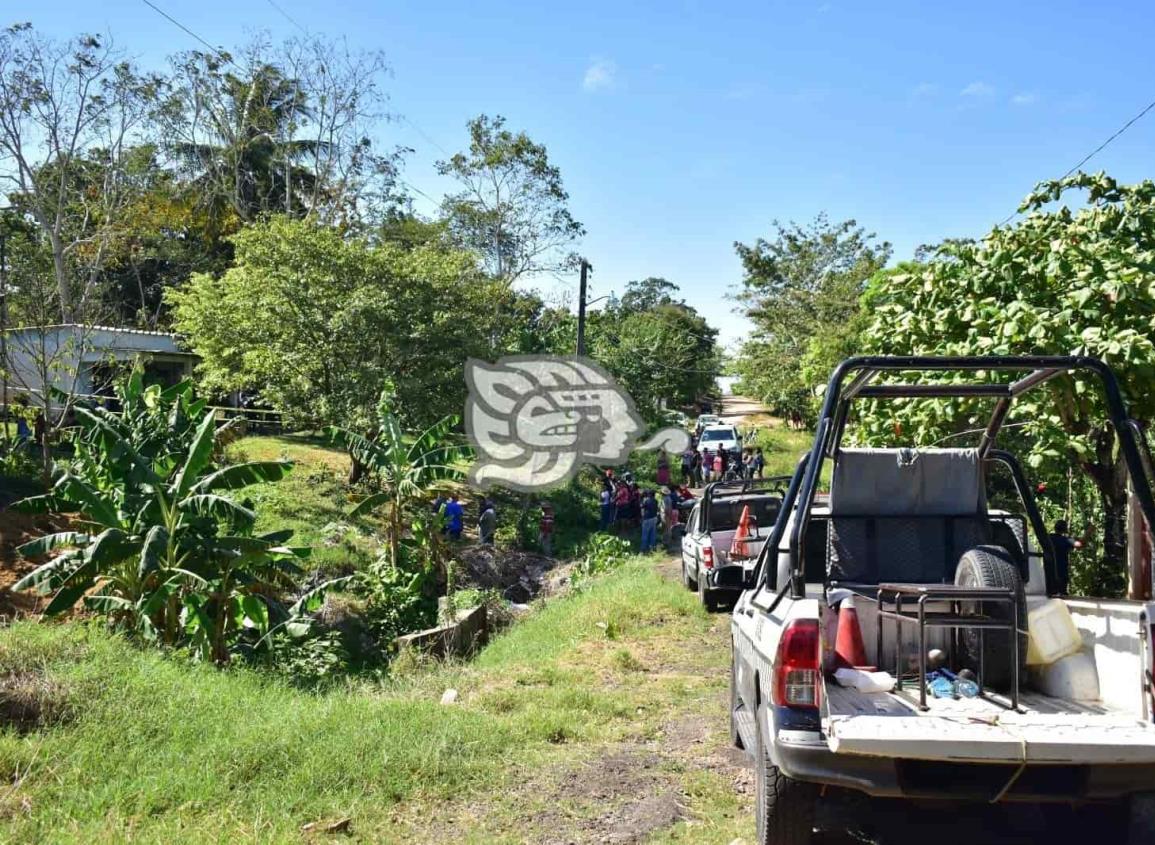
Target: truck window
point(724, 515)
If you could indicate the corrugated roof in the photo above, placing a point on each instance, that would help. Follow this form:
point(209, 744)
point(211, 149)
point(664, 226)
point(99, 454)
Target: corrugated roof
point(116, 329)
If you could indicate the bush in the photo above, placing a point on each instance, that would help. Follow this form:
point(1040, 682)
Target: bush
point(167, 554)
point(603, 553)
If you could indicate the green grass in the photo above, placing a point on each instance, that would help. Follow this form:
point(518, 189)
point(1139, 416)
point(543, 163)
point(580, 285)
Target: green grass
point(783, 447)
point(312, 500)
point(153, 749)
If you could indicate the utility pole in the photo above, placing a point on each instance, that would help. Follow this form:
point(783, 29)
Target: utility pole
point(581, 326)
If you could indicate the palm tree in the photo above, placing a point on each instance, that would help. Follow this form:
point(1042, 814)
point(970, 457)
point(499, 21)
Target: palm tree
point(235, 135)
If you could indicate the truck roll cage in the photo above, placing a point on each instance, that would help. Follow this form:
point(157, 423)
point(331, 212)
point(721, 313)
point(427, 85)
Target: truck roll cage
point(855, 378)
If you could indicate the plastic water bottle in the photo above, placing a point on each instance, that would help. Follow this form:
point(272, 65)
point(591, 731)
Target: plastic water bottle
point(966, 688)
point(941, 687)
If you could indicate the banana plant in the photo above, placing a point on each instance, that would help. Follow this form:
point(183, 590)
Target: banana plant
point(404, 468)
point(161, 549)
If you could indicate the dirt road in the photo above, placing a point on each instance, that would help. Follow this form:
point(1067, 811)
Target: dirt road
point(735, 409)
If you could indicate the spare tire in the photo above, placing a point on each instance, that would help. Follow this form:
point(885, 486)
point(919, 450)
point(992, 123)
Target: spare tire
point(992, 566)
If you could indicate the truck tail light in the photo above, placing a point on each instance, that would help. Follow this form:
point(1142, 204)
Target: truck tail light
point(708, 557)
point(796, 678)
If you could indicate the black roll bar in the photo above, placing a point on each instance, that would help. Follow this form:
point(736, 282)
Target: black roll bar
point(1042, 368)
point(1034, 516)
point(739, 487)
point(775, 541)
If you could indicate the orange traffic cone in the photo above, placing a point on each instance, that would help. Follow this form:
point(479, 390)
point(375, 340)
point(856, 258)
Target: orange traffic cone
point(738, 545)
point(849, 650)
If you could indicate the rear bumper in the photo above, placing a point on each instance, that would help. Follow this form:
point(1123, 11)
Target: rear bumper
point(727, 578)
point(804, 755)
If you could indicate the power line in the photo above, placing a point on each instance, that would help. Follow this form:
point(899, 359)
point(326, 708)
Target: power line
point(1100, 148)
point(180, 25)
point(417, 190)
point(421, 131)
point(287, 16)
point(1097, 150)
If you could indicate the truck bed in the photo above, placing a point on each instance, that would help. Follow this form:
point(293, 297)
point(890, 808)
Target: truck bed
point(1048, 730)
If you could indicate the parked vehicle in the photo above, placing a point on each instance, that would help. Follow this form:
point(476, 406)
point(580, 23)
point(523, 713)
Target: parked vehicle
point(720, 437)
point(707, 563)
point(914, 524)
point(704, 421)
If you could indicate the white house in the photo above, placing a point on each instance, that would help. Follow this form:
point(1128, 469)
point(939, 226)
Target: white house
point(82, 360)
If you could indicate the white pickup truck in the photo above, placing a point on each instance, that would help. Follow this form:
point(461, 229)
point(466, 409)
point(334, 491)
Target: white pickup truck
point(915, 523)
point(707, 563)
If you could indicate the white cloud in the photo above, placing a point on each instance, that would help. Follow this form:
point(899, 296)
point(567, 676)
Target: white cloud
point(1026, 98)
point(977, 89)
point(600, 75)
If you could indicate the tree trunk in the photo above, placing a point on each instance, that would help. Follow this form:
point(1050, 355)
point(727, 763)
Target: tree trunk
point(357, 469)
point(1109, 473)
point(1114, 501)
point(63, 288)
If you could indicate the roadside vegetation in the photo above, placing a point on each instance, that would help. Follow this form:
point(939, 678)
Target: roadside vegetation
point(1065, 278)
point(115, 741)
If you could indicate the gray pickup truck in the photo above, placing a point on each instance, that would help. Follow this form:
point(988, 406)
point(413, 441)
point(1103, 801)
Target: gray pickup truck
point(707, 563)
point(933, 569)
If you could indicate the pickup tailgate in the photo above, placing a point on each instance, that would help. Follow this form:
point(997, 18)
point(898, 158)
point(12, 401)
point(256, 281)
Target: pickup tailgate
point(982, 730)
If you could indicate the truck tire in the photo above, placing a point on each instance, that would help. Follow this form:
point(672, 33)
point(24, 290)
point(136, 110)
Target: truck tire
point(735, 734)
point(709, 597)
point(689, 583)
point(785, 807)
point(1141, 819)
point(993, 566)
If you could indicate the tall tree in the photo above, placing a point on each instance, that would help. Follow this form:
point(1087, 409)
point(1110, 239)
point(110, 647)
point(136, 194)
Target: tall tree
point(664, 353)
point(513, 208)
point(1059, 282)
point(317, 323)
point(69, 113)
point(282, 129)
point(648, 293)
point(799, 288)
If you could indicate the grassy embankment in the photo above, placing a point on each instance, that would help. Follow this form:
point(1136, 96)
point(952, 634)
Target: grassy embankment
point(121, 743)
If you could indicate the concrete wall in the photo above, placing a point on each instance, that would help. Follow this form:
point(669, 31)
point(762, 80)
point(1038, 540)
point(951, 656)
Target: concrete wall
point(457, 639)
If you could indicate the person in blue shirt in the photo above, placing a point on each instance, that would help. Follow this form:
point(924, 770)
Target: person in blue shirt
point(454, 517)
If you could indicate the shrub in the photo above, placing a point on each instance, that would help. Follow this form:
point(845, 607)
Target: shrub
point(603, 553)
point(163, 551)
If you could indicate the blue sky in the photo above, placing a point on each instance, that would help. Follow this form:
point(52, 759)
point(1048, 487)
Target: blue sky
point(683, 126)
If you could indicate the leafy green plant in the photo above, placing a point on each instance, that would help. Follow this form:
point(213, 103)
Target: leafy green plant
point(603, 553)
point(398, 598)
point(162, 551)
point(402, 468)
point(1064, 279)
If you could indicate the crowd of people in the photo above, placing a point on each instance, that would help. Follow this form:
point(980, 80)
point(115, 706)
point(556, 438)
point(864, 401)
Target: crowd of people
point(720, 464)
point(626, 506)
